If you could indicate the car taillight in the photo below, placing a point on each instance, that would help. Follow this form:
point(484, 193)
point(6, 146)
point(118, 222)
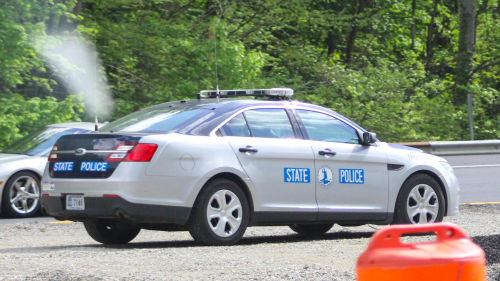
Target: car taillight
point(53, 157)
point(142, 152)
point(121, 151)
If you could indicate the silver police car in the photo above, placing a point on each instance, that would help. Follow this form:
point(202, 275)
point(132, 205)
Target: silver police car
point(216, 165)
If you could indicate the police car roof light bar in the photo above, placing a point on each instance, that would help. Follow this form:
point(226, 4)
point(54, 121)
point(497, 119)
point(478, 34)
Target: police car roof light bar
point(274, 92)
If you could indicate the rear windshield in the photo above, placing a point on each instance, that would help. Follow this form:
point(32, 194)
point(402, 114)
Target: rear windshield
point(41, 141)
point(156, 120)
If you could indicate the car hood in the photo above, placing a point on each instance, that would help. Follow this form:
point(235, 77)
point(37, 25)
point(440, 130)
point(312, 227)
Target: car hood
point(409, 153)
point(9, 158)
point(398, 146)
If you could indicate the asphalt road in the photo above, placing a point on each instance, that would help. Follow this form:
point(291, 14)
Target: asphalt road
point(478, 176)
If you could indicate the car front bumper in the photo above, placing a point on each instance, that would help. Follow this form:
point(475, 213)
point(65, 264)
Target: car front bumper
point(453, 195)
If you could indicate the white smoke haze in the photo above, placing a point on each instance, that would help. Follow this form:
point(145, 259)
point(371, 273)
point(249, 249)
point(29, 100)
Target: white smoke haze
point(76, 63)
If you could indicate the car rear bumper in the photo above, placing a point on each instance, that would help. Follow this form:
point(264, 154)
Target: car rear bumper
point(116, 208)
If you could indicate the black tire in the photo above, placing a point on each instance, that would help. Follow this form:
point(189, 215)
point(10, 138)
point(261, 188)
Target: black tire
point(109, 232)
point(10, 192)
point(311, 229)
point(404, 201)
point(198, 224)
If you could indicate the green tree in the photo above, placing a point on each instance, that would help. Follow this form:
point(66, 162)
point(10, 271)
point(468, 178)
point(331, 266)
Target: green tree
point(392, 66)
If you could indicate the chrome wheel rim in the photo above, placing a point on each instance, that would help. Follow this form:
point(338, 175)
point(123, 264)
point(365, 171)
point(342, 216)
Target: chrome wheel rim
point(24, 195)
point(224, 213)
point(422, 205)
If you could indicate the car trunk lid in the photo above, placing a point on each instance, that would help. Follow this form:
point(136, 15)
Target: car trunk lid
point(89, 155)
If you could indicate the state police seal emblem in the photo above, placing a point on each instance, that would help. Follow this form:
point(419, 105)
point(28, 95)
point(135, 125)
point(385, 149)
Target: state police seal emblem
point(325, 177)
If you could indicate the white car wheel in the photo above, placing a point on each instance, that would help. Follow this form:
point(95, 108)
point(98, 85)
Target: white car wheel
point(224, 213)
point(422, 205)
point(220, 214)
point(420, 200)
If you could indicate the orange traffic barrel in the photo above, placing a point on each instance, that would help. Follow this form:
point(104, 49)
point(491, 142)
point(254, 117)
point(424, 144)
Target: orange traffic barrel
point(452, 256)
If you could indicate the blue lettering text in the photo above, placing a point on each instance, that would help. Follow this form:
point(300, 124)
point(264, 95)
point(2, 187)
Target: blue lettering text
point(353, 176)
point(300, 175)
point(94, 167)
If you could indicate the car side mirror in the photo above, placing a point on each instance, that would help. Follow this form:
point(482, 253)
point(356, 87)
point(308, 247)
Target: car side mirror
point(369, 138)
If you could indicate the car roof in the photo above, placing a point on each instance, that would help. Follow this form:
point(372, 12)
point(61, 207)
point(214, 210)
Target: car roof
point(77, 125)
point(228, 104)
point(223, 108)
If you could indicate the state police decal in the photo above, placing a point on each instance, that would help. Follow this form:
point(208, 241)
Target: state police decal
point(300, 175)
point(325, 177)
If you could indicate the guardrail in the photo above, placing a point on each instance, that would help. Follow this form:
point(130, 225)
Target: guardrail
point(443, 148)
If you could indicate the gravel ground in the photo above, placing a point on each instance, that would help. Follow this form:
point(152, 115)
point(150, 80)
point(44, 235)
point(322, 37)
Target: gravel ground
point(64, 251)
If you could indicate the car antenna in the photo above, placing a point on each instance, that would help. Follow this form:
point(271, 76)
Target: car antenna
point(96, 124)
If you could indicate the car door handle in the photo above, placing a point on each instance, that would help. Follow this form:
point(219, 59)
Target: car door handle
point(248, 149)
point(327, 152)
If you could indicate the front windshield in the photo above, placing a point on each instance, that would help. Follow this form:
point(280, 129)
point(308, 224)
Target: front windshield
point(41, 141)
point(156, 120)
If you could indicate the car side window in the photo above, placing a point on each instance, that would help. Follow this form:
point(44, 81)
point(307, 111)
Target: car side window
point(269, 123)
point(236, 127)
point(322, 127)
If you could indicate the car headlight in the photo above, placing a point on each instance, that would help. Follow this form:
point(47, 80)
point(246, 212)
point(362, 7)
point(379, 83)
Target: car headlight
point(447, 167)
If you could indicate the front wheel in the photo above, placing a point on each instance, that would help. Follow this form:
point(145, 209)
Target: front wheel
point(110, 232)
point(420, 200)
point(220, 214)
point(311, 229)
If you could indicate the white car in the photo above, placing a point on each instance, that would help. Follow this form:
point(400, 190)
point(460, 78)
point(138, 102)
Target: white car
point(215, 165)
point(22, 164)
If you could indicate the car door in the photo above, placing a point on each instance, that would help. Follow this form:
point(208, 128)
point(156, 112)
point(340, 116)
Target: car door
point(280, 166)
point(352, 179)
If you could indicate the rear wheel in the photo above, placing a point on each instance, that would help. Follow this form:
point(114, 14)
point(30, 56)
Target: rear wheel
point(110, 232)
point(420, 200)
point(311, 229)
point(220, 214)
point(21, 195)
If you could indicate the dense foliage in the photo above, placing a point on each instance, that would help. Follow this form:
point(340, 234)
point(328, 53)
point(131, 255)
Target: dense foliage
point(390, 66)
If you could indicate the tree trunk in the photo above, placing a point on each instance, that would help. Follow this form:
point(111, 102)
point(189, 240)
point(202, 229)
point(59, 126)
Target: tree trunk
point(64, 25)
point(413, 8)
point(51, 23)
point(34, 85)
point(350, 44)
point(466, 48)
point(167, 8)
point(78, 8)
point(354, 32)
point(331, 42)
point(430, 32)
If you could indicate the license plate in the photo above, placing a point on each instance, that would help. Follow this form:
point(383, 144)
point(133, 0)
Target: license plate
point(75, 202)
